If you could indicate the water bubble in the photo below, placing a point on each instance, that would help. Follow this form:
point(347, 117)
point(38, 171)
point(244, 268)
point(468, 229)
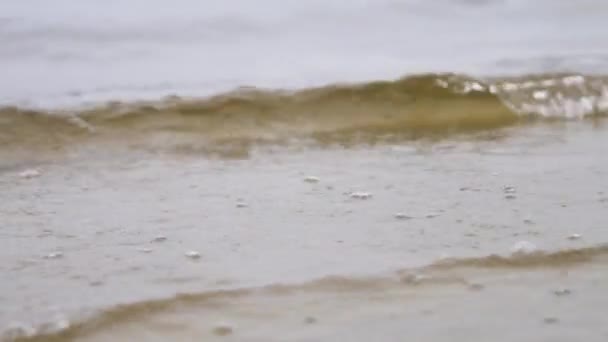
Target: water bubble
point(524, 248)
point(477, 86)
point(193, 254)
point(509, 189)
point(30, 173)
point(573, 80)
point(574, 237)
point(361, 195)
point(442, 83)
point(445, 256)
point(510, 197)
point(54, 255)
point(548, 83)
point(62, 323)
point(509, 86)
point(311, 179)
point(540, 94)
point(241, 205)
point(59, 323)
point(144, 250)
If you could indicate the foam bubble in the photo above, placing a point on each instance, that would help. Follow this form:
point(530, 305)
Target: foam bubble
point(30, 173)
point(524, 248)
point(193, 254)
point(361, 195)
point(54, 255)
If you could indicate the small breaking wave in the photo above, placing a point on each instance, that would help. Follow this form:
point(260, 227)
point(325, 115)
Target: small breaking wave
point(410, 107)
point(453, 271)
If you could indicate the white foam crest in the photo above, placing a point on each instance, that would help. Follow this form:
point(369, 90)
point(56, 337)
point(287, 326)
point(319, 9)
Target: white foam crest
point(569, 97)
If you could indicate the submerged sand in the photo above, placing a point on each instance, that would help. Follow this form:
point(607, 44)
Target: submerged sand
point(311, 243)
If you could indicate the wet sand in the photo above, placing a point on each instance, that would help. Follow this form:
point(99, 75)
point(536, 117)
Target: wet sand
point(562, 302)
point(99, 226)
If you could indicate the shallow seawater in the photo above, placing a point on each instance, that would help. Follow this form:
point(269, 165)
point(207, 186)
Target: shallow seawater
point(99, 227)
point(303, 170)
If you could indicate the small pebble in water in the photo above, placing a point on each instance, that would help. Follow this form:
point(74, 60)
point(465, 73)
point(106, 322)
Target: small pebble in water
point(159, 238)
point(523, 248)
point(223, 329)
point(241, 205)
point(562, 292)
point(30, 173)
point(96, 283)
point(510, 197)
point(551, 320)
point(361, 195)
point(574, 237)
point(476, 287)
point(193, 254)
point(528, 222)
point(54, 255)
point(402, 216)
point(310, 320)
point(311, 179)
